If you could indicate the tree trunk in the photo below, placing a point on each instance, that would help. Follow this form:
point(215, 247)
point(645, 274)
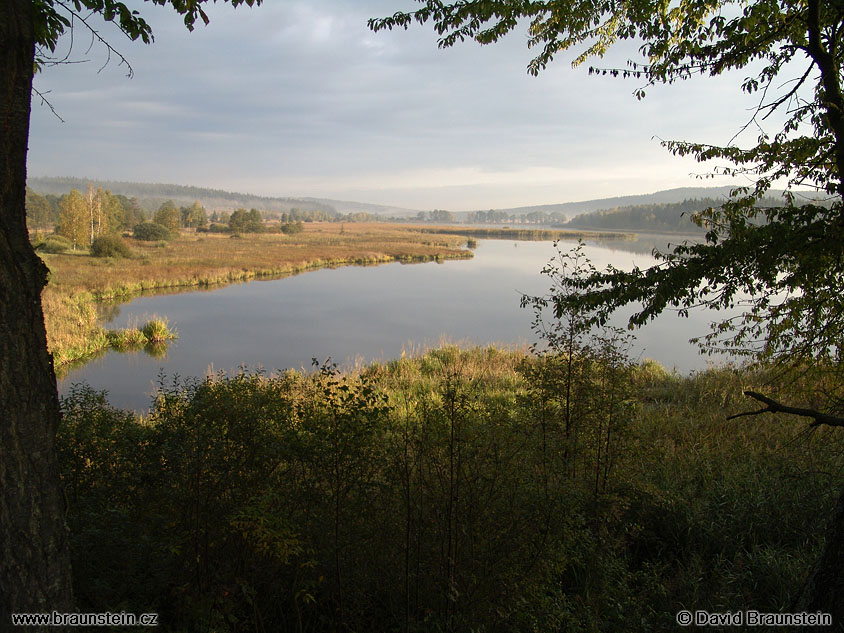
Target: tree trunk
point(824, 588)
point(34, 557)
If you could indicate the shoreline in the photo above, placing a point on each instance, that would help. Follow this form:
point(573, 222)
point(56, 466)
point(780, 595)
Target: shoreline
point(80, 283)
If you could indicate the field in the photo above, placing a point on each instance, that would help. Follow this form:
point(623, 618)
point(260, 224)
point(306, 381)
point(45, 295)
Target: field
point(78, 282)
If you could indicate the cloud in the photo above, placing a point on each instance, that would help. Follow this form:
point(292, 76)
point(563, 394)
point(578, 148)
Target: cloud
point(300, 98)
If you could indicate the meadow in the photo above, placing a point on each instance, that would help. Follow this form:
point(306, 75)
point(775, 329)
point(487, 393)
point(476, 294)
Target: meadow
point(79, 282)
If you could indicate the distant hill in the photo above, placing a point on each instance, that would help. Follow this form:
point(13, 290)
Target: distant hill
point(674, 217)
point(152, 195)
point(660, 217)
point(600, 204)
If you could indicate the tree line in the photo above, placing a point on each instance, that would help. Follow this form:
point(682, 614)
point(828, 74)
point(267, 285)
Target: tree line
point(667, 216)
point(83, 217)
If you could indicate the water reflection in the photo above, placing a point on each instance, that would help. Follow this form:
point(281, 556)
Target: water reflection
point(363, 313)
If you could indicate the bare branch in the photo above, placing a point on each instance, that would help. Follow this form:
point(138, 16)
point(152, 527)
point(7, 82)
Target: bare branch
point(44, 101)
point(776, 407)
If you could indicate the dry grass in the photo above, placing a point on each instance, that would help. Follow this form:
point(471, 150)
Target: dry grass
point(77, 280)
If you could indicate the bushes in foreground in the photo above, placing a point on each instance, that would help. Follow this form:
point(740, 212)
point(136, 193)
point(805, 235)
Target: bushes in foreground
point(449, 492)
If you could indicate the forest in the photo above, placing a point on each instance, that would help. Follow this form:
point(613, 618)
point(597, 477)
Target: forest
point(675, 217)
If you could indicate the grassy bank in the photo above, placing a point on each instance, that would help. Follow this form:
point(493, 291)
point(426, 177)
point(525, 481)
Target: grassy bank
point(446, 492)
point(78, 281)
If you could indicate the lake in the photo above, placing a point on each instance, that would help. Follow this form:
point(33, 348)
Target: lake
point(355, 313)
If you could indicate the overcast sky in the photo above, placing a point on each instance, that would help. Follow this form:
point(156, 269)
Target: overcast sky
point(299, 98)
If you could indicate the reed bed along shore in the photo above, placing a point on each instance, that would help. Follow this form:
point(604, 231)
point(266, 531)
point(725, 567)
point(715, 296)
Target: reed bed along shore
point(78, 281)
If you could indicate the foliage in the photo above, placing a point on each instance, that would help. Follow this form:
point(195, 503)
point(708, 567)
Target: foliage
point(291, 228)
point(675, 217)
point(133, 214)
point(39, 211)
point(243, 221)
point(781, 264)
point(151, 232)
point(194, 216)
point(497, 216)
point(440, 493)
point(582, 378)
point(84, 218)
point(110, 246)
point(168, 216)
point(73, 220)
point(54, 244)
point(52, 18)
point(437, 216)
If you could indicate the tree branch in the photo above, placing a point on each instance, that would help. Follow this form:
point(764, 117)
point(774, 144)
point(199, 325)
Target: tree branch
point(776, 407)
point(45, 101)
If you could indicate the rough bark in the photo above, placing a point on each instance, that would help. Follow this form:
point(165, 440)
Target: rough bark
point(34, 558)
point(824, 588)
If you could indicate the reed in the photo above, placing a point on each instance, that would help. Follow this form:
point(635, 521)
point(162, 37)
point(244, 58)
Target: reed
point(192, 260)
point(156, 331)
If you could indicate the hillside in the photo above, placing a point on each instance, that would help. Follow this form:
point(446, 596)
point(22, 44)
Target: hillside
point(658, 197)
point(152, 195)
point(673, 217)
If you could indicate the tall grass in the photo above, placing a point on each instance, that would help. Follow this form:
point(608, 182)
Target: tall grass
point(78, 283)
point(434, 493)
point(75, 335)
point(156, 331)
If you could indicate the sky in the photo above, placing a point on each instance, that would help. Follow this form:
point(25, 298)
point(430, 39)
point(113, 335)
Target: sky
point(299, 98)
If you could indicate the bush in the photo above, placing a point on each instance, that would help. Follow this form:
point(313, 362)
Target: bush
point(54, 244)
point(291, 228)
point(110, 246)
point(151, 232)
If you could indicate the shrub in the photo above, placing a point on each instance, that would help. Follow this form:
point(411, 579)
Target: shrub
point(55, 244)
point(151, 232)
point(110, 246)
point(291, 228)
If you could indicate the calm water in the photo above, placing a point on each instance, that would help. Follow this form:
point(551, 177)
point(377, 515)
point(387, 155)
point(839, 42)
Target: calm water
point(362, 313)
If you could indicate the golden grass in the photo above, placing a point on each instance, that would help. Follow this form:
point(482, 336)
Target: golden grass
point(78, 281)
